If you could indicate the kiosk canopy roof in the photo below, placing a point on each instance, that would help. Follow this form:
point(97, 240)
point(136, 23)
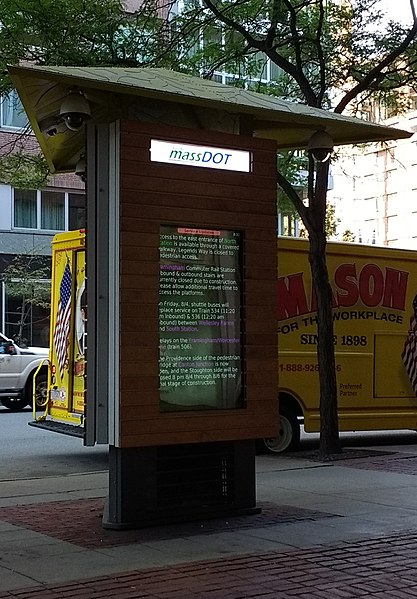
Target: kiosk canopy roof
point(42, 90)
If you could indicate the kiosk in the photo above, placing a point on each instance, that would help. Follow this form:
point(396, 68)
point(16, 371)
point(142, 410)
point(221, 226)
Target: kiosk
point(181, 359)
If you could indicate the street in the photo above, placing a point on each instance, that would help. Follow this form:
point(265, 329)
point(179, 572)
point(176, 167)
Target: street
point(28, 452)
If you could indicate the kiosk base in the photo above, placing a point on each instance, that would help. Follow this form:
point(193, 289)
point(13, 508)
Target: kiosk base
point(150, 486)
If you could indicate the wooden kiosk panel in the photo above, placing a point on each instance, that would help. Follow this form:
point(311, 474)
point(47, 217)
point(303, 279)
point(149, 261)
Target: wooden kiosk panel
point(157, 197)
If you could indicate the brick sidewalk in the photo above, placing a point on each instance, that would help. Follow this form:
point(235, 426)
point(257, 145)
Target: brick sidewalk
point(380, 568)
point(384, 568)
point(79, 522)
point(377, 460)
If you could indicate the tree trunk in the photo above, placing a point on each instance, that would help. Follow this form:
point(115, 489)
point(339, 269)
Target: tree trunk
point(314, 217)
point(329, 427)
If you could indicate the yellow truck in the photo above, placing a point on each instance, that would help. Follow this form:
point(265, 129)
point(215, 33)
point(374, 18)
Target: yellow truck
point(375, 339)
point(65, 411)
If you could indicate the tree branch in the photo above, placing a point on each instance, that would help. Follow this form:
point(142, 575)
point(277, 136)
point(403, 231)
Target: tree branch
point(299, 76)
point(320, 55)
point(289, 190)
point(375, 73)
point(294, 71)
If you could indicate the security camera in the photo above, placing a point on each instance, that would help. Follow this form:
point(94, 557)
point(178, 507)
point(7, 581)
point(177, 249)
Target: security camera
point(321, 146)
point(81, 169)
point(51, 126)
point(75, 110)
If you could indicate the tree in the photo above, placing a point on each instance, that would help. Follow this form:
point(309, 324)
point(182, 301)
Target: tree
point(78, 33)
point(26, 279)
point(348, 236)
point(293, 166)
point(329, 54)
point(23, 170)
point(330, 224)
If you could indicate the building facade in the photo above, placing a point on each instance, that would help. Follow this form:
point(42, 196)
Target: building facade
point(375, 189)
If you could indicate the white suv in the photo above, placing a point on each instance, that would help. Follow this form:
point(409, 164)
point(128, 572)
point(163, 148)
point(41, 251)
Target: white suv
point(17, 367)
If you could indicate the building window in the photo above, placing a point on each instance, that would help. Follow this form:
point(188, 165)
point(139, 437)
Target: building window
point(53, 210)
point(25, 209)
point(12, 114)
point(48, 210)
point(77, 213)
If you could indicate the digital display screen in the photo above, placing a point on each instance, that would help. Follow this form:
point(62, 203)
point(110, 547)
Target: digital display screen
point(200, 319)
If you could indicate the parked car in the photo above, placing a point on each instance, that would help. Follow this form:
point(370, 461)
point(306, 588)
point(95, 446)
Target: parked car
point(17, 367)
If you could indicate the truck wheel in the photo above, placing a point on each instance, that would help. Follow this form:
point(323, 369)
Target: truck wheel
point(41, 394)
point(289, 434)
point(14, 403)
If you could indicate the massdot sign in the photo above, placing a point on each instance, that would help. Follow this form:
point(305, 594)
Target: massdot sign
point(202, 156)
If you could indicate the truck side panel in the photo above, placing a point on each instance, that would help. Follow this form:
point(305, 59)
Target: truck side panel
point(373, 305)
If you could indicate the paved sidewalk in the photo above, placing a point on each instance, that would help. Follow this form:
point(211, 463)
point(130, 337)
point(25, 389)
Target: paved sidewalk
point(339, 529)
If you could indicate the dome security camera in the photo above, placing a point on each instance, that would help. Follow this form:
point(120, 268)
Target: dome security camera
point(81, 169)
point(321, 146)
point(75, 110)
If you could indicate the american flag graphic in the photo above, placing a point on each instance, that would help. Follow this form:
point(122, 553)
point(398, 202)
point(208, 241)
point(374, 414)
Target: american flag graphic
point(63, 319)
point(409, 353)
